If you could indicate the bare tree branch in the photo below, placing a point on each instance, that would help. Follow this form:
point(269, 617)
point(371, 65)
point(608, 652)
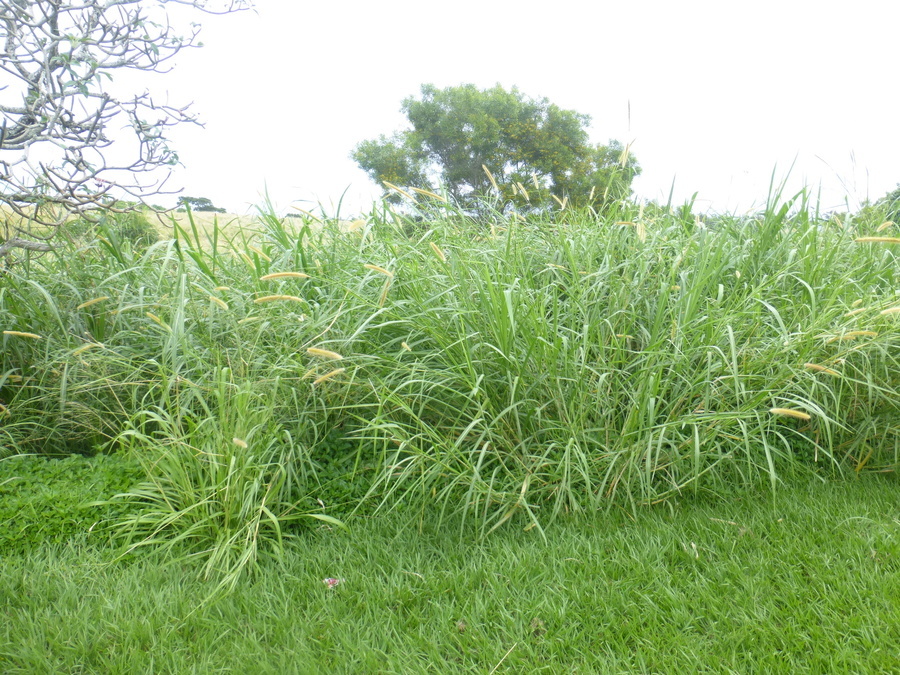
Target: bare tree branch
point(58, 119)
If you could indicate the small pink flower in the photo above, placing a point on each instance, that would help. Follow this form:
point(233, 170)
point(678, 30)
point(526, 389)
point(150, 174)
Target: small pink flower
point(331, 582)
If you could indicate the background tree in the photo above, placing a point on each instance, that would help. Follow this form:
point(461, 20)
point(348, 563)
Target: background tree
point(198, 204)
point(532, 148)
point(60, 118)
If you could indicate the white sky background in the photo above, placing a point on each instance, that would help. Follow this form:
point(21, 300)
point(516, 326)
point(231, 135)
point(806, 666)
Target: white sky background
point(721, 92)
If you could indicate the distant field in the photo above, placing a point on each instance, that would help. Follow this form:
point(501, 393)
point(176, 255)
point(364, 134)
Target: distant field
point(228, 224)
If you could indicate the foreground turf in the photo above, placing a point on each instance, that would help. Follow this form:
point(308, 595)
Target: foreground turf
point(809, 582)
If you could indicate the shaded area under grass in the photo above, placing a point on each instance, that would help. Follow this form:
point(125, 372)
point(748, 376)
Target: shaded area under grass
point(806, 580)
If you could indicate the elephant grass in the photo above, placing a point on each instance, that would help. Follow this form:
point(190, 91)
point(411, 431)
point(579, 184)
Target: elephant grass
point(495, 371)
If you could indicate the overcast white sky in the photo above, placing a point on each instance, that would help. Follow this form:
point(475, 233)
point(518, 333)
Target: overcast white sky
point(721, 92)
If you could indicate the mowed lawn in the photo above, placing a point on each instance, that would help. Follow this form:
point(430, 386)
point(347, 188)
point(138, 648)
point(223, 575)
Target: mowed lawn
point(805, 581)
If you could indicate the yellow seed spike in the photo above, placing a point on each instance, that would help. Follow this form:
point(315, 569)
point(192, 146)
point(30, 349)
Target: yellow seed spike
point(284, 275)
point(380, 270)
point(218, 301)
point(240, 442)
point(84, 348)
point(490, 178)
point(623, 158)
point(438, 252)
point(820, 369)
point(387, 287)
point(156, 319)
point(399, 190)
point(562, 204)
point(259, 252)
point(789, 412)
point(329, 375)
point(534, 180)
point(891, 310)
point(85, 305)
point(885, 225)
point(641, 231)
point(877, 240)
point(429, 193)
point(324, 353)
point(524, 192)
point(17, 333)
point(308, 214)
point(272, 298)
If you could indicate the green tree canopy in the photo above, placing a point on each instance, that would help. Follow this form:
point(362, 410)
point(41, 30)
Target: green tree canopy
point(198, 204)
point(532, 148)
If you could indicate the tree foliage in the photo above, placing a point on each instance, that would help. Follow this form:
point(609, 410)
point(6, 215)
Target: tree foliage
point(198, 204)
point(531, 148)
point(63, 150)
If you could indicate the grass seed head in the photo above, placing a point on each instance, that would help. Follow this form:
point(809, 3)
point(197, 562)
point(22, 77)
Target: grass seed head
point(17, 333)
point(259, 252)
point(85, 305)
point(820, 369)
point(84, 348)
point(429, 193)
point(380, 270)
point(399, 191)
point(438, 252)
point(491, 178)
point(877, 240)
point(790, 412)
point(329, 375)
point(284, 275)
point(218, 301)
point(273, 298)
point(241, 443)
point(324, 353)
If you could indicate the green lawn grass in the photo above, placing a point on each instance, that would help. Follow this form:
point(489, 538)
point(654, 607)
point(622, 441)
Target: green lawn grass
point(807, 581)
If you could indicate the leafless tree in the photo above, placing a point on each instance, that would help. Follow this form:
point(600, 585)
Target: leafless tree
point(61, 116)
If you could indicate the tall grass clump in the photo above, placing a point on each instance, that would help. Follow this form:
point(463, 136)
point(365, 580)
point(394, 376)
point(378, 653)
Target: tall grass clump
point(492, 367)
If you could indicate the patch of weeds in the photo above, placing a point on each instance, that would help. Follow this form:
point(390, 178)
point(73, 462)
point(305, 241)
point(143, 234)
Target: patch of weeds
point(44, 500)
